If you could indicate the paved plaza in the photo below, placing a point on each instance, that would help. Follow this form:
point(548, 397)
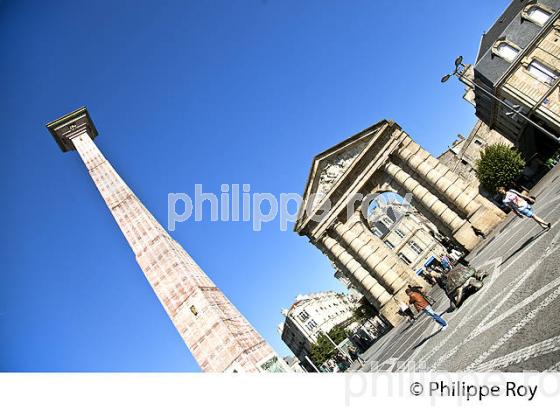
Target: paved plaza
point(511, 324)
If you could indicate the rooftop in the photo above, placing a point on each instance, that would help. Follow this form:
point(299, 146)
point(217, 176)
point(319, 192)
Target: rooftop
point(499, 26)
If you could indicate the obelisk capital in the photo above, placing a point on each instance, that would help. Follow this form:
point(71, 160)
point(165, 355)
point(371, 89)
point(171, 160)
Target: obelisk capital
point(70, 126)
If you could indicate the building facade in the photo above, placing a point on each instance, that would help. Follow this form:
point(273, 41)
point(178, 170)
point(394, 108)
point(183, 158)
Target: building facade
point(342, 182)
point(407, 233)
point(353, 291)
point(463, 153)
point(217, 334)
point(519, 63)
point(311, 315)
point(294, 364)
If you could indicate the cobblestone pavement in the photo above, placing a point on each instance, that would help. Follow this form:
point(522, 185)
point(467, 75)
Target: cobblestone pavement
point(511, 324)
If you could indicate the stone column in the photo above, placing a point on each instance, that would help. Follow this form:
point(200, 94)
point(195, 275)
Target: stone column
point(459, 227)
point(454, 190)
point(379, 260)
point(372, 289)
point(374, 292)
point(480, 212)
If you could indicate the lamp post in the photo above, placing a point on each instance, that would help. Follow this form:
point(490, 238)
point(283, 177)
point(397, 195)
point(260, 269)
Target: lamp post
point(312, 364)
point(515, 110)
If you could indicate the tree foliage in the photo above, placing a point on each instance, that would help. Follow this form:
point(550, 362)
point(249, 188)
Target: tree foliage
point(499, 165)
point(364, 312)
point(337, 334)
point(323, 349)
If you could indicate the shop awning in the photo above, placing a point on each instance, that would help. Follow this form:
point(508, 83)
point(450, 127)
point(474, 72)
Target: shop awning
point(429, 261)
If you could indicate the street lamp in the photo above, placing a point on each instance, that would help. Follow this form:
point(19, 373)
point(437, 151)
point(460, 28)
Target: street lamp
point(515, 110)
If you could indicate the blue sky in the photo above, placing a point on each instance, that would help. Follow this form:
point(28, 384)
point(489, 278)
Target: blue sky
point(187, 93)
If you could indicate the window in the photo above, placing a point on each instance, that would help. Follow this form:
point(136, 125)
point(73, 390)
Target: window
point(389, 244)
point(387, 221)
point(405, 259)
point(415, 247)
point(506, 50)
point(542, 72)
point(536, 14)
point(478, 142)
point(377, 232)
point(399, 233)
point(303, 315)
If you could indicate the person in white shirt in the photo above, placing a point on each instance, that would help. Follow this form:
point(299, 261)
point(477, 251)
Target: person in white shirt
point(455, 255)
point(520, 205)
point(405, 311)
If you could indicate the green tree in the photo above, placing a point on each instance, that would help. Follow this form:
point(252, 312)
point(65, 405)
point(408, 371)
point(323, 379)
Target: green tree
point(337, 334)
point(364, 312)
point(499, 165)
point(323, 349)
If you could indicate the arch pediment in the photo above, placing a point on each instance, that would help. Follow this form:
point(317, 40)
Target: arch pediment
point(331, 169)
point(332, 166)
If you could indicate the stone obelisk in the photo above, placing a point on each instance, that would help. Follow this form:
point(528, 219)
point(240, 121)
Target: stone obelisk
point(219, 337)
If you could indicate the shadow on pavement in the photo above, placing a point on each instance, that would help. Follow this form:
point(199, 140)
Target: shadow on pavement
point(523, 245)
point(425, 340)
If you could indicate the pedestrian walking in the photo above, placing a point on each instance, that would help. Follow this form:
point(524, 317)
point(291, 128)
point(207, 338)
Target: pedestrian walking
point(331, 365)
point(445, 262)
point(432, 275)
point(520, 204)
point(405, 311)
point(455, 255)
point(422, 305)
point(418, 289)
point(354, 355)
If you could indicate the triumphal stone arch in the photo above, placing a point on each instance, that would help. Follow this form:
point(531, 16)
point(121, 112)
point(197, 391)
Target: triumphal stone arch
point(382, 158)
